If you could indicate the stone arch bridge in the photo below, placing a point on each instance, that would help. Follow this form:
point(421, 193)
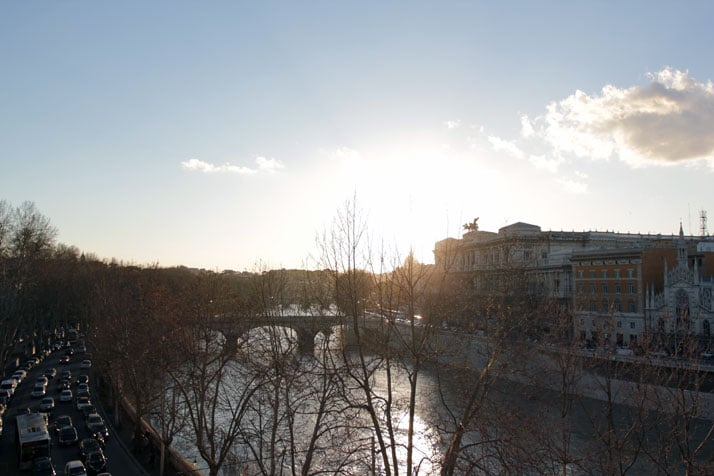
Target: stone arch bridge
point(306, 327)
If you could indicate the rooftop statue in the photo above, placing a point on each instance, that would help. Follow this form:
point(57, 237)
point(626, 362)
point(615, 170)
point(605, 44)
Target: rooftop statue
point(473, 226)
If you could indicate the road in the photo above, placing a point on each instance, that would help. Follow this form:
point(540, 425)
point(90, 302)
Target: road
point(120, 462)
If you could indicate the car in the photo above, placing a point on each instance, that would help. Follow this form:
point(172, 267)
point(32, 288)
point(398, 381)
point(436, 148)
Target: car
point(63, 384)
point(42, 466)
point(61, 421)
point(81, 402)
point(64, 360)
point(38, 391)
point(93, 419)
point(88, 445)
point(19, 375)
point(51, 372)
point(89, 409)
point(47, 404)
point(99, 429)
point(96, 462)
point(85, 364)
point(82, 378)
point(67, 436)
point(66, 374)
point(5, 397)
point(66, 395)
point(75, 468)
point(41, 379)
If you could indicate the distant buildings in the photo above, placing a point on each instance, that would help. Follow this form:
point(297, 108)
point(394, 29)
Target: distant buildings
point(619, 288)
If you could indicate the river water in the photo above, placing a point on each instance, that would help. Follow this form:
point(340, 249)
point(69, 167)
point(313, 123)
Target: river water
point(519, 429)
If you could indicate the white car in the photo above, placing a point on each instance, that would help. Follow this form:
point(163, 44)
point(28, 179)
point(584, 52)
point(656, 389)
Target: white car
point(85, 364)
point(75, 468)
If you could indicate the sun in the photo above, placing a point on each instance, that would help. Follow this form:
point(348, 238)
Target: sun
point(410, 187)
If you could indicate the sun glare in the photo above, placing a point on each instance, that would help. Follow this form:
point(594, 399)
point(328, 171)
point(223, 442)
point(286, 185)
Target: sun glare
point(410, 189)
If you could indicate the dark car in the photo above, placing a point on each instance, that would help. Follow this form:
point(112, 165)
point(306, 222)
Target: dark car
point(42, 466)
point(62, 421)
point(67, 436)
point(88, 445)
point(99, 428)
point(96, 462)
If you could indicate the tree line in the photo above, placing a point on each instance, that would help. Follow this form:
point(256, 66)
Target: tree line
point(515, 404)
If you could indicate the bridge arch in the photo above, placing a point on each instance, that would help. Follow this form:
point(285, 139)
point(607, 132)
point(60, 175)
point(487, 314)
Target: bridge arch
point(306, 328)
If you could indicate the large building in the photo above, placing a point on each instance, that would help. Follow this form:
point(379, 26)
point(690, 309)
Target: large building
point(618, 287)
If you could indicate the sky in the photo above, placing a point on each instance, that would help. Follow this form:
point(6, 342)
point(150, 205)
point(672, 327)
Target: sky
point(228, 135)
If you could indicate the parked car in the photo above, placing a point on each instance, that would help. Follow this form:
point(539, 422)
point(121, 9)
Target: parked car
point(51, 372)
point(85, 364)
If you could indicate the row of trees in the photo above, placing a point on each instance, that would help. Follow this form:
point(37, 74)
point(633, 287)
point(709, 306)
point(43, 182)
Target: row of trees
point(389, 392)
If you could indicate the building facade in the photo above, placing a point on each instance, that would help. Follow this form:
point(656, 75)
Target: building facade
point(618, 287)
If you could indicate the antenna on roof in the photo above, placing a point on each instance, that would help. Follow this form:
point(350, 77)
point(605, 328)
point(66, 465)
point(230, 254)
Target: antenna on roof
point(703, 223)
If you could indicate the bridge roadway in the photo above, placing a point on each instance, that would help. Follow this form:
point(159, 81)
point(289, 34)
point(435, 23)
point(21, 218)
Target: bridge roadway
point(306, 327)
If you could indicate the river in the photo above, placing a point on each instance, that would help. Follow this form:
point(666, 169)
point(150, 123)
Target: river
point(520, 428)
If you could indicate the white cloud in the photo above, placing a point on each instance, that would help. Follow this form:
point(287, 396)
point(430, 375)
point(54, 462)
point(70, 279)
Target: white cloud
point(510, 147)
point(263, 164)
point(452, 124)
point(573, 186)
point(546, 163)
point(665, 122)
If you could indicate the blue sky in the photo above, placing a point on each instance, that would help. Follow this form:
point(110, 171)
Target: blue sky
point(223, 134)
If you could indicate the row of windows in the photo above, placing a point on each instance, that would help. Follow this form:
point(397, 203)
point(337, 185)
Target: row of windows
point(606, 306)
point(605, 288)
point(630, 273)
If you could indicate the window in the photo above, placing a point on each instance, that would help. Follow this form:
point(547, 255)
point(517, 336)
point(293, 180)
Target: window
point(618, 288)
point(592, 288)
point(605, 305)
point(619, 324)
point(631, 288)
point(581, 288)
point(581, 274)
point(591, 273)
point(603, 273)
point(632, 325)
point(630, 273)
point(593, 306)
point(617, 273)
point(631, 305)
point(617, 304)
point(605, 289)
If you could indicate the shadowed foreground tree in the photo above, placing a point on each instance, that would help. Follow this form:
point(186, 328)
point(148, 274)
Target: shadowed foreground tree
point(26, 240)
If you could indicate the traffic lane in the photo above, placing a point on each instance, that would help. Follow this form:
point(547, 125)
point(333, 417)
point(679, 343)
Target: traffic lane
point(119, 461)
